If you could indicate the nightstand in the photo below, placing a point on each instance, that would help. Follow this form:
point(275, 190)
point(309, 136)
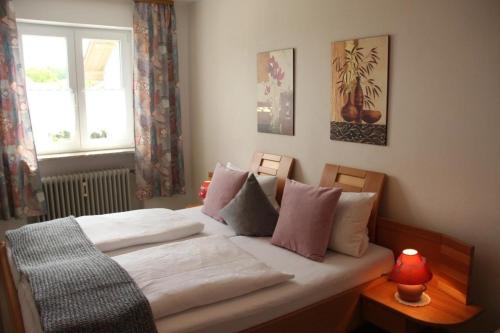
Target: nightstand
point(379, 307)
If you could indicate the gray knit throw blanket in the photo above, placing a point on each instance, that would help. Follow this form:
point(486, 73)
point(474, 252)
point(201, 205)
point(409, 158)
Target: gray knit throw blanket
point(77, 288)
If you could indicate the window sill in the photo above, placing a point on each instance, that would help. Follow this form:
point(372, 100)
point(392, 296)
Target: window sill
point(86, 153)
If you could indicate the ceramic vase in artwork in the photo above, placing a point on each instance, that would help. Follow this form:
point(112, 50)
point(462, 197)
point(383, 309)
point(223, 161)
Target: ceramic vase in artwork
point(358, 100)
point(370, 116)
point(349, 111)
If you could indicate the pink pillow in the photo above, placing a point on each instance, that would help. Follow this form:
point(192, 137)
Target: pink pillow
point(306, 218)
point(224, 186)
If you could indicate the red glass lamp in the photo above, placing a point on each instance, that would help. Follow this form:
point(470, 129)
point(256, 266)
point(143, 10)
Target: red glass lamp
point(202, 194)
point(411, 273)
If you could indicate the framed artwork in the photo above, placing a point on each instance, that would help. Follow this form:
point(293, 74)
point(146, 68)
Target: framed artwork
point(359, 90)
point(275, 96)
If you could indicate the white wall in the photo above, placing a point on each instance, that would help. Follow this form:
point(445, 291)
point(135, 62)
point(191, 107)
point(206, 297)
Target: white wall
point(108, 12)
point(443, 153)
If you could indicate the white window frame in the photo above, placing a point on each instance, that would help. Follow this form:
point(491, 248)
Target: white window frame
point(74, 35)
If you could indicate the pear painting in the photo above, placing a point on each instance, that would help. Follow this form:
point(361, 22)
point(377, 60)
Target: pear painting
point(359, 90)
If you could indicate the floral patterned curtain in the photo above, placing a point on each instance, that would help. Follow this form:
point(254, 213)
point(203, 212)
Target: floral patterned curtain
point(158, 135)
point(21, 193)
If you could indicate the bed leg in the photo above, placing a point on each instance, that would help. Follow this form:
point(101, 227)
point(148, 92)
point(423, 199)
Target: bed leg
point(12, 320)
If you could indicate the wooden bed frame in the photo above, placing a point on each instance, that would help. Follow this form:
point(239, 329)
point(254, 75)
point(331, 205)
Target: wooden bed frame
point(338, 313)
point(450, 261)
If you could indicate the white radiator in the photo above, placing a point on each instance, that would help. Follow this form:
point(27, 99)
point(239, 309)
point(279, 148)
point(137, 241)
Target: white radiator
point(89, 193)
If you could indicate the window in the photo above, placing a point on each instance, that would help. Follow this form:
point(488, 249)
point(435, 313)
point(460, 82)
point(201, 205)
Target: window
point(79, 86)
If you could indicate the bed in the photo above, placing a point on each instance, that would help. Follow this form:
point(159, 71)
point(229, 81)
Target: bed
point(312, 283)
point(321, 296)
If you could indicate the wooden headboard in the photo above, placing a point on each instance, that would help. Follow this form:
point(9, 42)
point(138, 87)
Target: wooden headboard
point(450, 259)
point(280, 166)
point(356, 180)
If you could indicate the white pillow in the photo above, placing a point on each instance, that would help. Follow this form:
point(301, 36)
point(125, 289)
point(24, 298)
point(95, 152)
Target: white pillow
point(269, 184)
point(234, 167)
point(349, 232)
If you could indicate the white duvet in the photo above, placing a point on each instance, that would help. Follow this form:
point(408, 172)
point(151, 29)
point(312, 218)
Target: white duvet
point(182, 275)
point(144, 226)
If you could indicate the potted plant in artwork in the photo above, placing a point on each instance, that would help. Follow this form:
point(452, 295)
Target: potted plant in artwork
point(354, 71)
point(360, 70)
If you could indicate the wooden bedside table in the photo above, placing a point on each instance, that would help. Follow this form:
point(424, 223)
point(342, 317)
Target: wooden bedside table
point(379, 307)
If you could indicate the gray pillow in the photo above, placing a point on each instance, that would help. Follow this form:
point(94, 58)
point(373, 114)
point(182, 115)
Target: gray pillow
point(250, 213)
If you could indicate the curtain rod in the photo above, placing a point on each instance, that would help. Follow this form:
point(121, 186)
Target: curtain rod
point(162, 2)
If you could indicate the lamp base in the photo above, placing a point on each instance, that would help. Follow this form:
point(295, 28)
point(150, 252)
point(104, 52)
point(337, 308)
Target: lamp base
point(411, 293)
point(424, 300)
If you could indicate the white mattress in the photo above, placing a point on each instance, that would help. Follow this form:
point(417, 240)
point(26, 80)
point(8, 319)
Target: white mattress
point(313, 282)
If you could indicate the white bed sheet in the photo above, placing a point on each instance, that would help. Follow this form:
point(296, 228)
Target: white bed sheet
point(30, 314)
point(313, 282)
point(182, 275)
point(211, 227)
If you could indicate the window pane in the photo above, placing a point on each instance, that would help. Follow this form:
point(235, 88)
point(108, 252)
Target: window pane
point(106, 110)
point(106, 114)
point(51, 101)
